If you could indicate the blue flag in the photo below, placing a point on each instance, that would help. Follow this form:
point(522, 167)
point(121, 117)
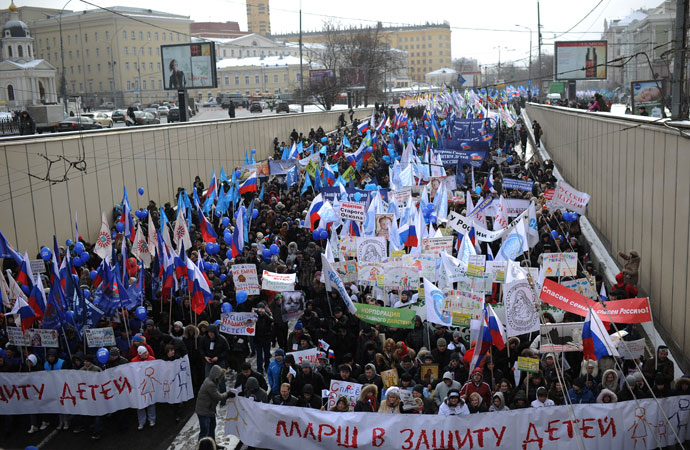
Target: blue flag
point(307, 183)
point(261, 194)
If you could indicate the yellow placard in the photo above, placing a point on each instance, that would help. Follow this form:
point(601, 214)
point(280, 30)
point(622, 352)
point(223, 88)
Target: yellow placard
point(526, 364)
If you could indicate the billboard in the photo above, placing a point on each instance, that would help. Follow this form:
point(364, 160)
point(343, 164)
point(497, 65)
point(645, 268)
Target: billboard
point(320, 79)
point(581, 60)
point(353, 77)
point(189, 66)
point(472, 79)
point(648, 95)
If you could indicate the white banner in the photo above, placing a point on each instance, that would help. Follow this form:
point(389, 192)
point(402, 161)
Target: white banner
point(521, 311)
point(514, 207)
point(462, 225)
point(33, 337)
point(567, 197)
point(278, 282)
point(616, 426)
point(133, 385)
point(245, 278)
point(238, 323)
point(353, 211)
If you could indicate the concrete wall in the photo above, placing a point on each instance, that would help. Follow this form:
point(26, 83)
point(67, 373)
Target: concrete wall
point(636, 173)
point(157, 158)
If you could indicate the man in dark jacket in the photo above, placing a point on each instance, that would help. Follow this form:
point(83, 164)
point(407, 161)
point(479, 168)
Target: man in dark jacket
point(308, 399)
point(115, 358)
point(285, 398)
point(207, 399)
point(246, 372)
point(371, 377)
point(214, 349)
point(262, 338)
point(308, 376)
point(26, 124)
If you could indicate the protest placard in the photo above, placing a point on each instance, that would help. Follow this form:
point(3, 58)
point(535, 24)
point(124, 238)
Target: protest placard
point(100, 337)
point(343, 389)
point(238, 323)
point(438, 245)
point(497, 269)
point(369, 273)
point(559, 264)
point(371, 249)
point(384, 222)
point(520, 185)
point(311, 355)
point(38, 266)
point(526, 364)
point(348, 246)
point(245, 278)
point(407, 400)
point(561, 337)
point(16, 337)
point(582, 286)
point(631, 349)
point(567, 197)
point(475, 265)
point(292, 305)
point(397, 275)
point(353, 211)
point(279, 282)
point(390, 317)
point(463, 307)
point(347, 270)
point(42, 338)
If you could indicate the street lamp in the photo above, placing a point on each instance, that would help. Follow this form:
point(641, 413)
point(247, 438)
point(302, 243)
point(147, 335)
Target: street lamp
point(530, 53)
point(63, 81)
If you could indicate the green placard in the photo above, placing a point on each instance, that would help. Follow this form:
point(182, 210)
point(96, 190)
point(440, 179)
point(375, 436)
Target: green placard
point(390, 317)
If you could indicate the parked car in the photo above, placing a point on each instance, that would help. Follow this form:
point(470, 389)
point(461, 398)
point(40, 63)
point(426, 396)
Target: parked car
point(210, 102)
point(146, 118)
point(100, 117)
point(255, 107)
point(107, 105)
point(119, 115)
point(78, 123)
point(174, 115)
point(282, 107)
point(152, 111)
point(163, 110)
point(6, 117)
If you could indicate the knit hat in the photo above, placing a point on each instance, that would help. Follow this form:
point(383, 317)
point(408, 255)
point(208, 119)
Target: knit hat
point(418, 388)
point(203, 323)
point(299, 326)
point(280, 352)
point(138, 338)
point(392, 391)
point(306, 364)
point(114, 351)
point(178, 324)
point(579, 382)
point(441, 342)
point(141, 350)
point(33, 359)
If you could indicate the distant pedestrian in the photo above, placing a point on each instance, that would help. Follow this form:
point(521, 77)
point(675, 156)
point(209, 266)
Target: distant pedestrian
point(231, 110)
point(27, 125)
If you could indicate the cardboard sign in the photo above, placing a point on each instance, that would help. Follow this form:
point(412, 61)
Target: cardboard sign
point(371, 249)
point(238, 323)
point(475, 265)
point(16, 337)
point(311, 355)
point(278, 282)
point(42, 338)
point(463, 307)
point(347, 270)
point(631, 349)
point(384, 222)
point(100, 337)
point(549, 193)
point(521, 185)
point(38, 266)
point(497, 269)
point(438, 245)
point(400, 276)
point(292, 305)
point(561, 337)
point(407, 400)
point(348, 246)
point(245, 278)
point(526, 364)
point(343, 388)
point(559, 264)
point(582, 286)
point(368, 274)
point(353, 211)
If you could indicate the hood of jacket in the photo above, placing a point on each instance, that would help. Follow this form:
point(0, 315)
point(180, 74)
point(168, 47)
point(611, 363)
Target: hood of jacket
point(216, 373)
point(612, 385)
point(252, 384)
point(604, 392)
point(366, 390)
point(500, 396)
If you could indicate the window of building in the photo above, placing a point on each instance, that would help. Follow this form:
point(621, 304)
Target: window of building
point(133, 36)
point(232, 52)
point(88, 68)
point(90, 86)
point(107, 35)
point(70, 54)
point(127, 66)
point(107, 51)
point(275, 78)
point(296, 77)
point(256, 79)
point(86, 37)
point(150, 51)
point(100, 86)
point(129, 85)
point(158, 51)
point(98, 51)
point(78, 55)
point(81, 86)
point(98, 67)
point(159, 66)
point(227, 80)
point(76, 38)
point(285, 78)
point(111, 84)
point(141, 51)
point(141, 35)
point(155, 35)
point(87, 52)
point(20, 51)
point(171, 37)
point(237, 80)
point(71, 70)
point(136, 66)
point(79, 69)
point(423, 45)
point(124, 35)
point(246, 80)
point(126, 51)
point(440, 52)
point(148, 35)
point(69, 40)
point(178, 37)
point(417, 39)
point(143, 84)
point(55, 56)
point(10, 92)
point(150, 67)
point(164, 36)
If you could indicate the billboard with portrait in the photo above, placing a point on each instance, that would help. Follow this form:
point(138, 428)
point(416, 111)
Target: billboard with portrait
point(353, 77)
point(321, 79)
point(648, 95)
point(581, 60)
point(189, 66)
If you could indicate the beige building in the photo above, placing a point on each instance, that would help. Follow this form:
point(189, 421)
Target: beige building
point(274, 74)
point(258, 17)
point(428, 46)
point(110, 57)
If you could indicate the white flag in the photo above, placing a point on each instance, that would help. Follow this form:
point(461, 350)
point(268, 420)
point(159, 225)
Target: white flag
point(520, 303)
point(153, 241)
point(332, 280)
point(140, 249)
point(501, 218)
point(181, 233)
point(433, 299)
point(532, 229)
point(104, 243)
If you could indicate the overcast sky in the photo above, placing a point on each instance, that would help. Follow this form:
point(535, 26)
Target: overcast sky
point(557, 16)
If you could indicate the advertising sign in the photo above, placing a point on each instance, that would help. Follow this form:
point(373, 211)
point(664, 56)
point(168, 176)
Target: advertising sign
point(648, 95)
point(581, 60)
point(189, 66)
point(320, 79)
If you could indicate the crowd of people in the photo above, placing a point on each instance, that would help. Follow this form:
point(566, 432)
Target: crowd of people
point(358, 352)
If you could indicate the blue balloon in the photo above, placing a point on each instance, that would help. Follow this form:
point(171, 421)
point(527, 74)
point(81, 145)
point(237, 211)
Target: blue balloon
point(227, 237)
point(323, 234)
point(103, 354)
point(238, 173)
point(141, 191)
point(137, 213)
point(79, 248)
point(87, 294)
point(140, 313)
point(223, 277)
point(274, 249)
point(84, 258)
point(215, 267)
point(93, 274)
point(316, 235)
point(77, 262)
point(510, 158)
point(266, 253)
point(255, 213)
point(120, 227)
point(241, 297)
point(324, 139)
point(211, 248)
point(218, 214)
point(144, 213)
point(228, 254)
point(301, 223)
point(253, 151)
point(226, 308)
point(478, 190)
point(358, 196)
point(225, 221)
point(554, 234)
point(46, 254)
point(207, 266)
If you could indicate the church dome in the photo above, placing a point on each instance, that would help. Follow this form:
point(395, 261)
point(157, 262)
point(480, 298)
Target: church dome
point(14, 27)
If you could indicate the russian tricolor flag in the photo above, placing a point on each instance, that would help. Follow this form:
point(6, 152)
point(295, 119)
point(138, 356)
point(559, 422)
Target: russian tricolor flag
point(496, 330)
point(198, 287)
point(250, 184)
point(596, 341)
point(363, 127)
point(180, 264)
point(328, 174)
point(313, 213)
point(212, 186)
point(237, 245)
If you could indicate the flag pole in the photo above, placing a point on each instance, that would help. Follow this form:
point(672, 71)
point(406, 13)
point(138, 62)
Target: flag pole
point(69, 352)
point(129, 338)
point(169, 312)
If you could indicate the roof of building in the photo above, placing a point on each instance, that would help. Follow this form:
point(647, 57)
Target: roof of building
point(445, 25)
point(443, 71)
point(17, 28)
point(142, 13)
point(258, 61)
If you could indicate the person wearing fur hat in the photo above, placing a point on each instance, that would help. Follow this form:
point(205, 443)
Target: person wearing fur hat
point(453, 405)
point(308, 399)
point(610, 380)
point(476, 384)
point(607, 396)
point(342, 405)
point(631, 270)
point(367, 401)
point(391, 404)
point(681, 386)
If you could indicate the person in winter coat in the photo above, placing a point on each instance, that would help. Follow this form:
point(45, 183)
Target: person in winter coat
point(428, 406)
point(214, 350)
point(580, 393)
point(367, 401)
point(542, 399)
point(477, 384)
point(416, 338)
point(149, 411)
point(273, 371)
point(475, 404)
point(453, 405)
point(609, 380)
point(498, 403)
point(444, 387)
point(115, 358)
point(633, 387)
point(307, 375)
point(207, 400)
point(607, 396)
point(308, 399)
point(631, 270)
point(371, 377)
point(89, 366)
point(245, 374)
point(27, 125)
point(392, 403)
point(660, 388)
point(519, 400)
point(263, 337)
point(254, 391)
point(659, 365)
point(682, 386)
point(342, 405)
point(285, 398)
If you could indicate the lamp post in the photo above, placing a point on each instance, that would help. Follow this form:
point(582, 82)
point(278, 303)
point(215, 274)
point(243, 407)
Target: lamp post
point(63, 81)
point(530, 53)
